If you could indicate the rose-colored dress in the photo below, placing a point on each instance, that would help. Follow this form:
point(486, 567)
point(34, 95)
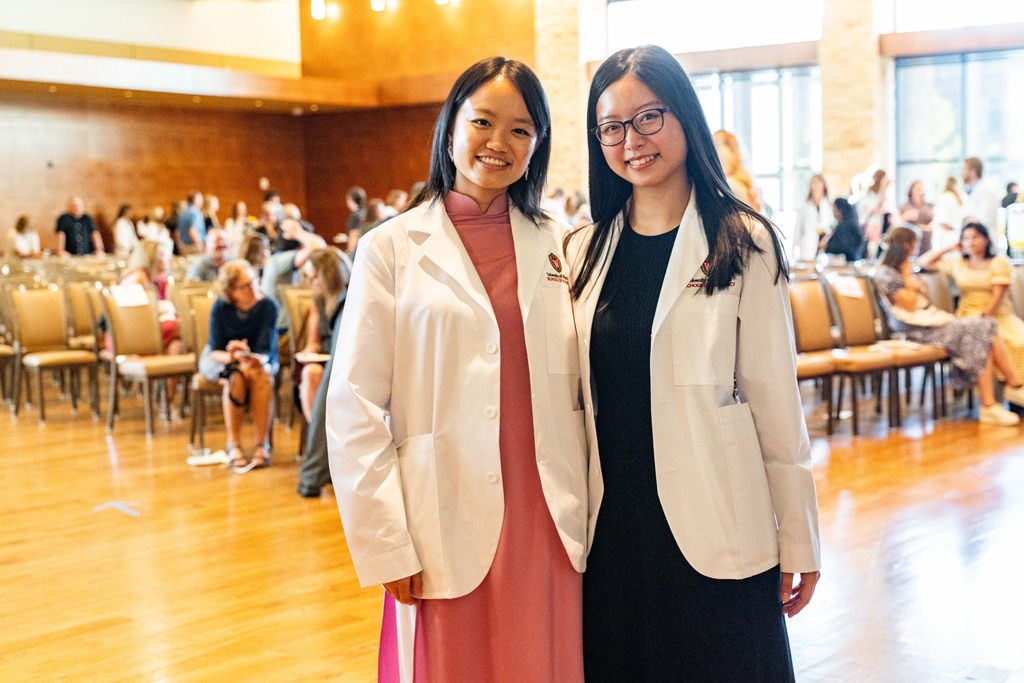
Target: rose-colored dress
point(524, 621)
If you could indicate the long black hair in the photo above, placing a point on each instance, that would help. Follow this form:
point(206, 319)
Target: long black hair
point(729, 240)
point(847, 212)
point(525, 194)
point(983, 231)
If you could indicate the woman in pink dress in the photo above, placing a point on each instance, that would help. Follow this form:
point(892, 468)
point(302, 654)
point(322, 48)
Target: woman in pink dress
point(454, 421)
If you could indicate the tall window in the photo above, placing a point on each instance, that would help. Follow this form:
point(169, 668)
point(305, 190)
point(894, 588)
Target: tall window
point(956, 106)
point(931, 15)
point(776, 117)
point(697, 26)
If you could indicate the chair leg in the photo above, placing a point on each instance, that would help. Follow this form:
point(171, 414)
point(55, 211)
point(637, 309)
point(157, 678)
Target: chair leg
point(942, 388)
point(94, 389)
point(839, 400)
point(112, 403)
point(876, 385)
point(148, 400)
point(72, 389)
point(826, 386)
point(42, 404)
point(28, 393)
point(16, 395)
point(200, 406)
point(894, 396)
point(855, 400)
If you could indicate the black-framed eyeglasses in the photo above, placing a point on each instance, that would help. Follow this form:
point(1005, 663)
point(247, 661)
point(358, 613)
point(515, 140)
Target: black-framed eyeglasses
point(647, 122)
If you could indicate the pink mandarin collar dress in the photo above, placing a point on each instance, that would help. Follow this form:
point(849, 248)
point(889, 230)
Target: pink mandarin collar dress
point(523, 623)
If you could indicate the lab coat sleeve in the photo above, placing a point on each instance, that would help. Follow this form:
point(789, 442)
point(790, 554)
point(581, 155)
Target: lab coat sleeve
point(766, 379)
point(361, 448)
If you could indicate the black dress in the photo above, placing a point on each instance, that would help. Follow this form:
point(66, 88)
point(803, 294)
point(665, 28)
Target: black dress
point(648, 616)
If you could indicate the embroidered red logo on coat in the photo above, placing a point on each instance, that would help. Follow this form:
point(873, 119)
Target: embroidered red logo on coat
point(555, 262)
point(706, 266)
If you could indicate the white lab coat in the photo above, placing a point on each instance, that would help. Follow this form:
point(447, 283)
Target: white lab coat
point(734, 479)
point(811, 223)
point(412, 408)
point(948, 211)
point(982, 205)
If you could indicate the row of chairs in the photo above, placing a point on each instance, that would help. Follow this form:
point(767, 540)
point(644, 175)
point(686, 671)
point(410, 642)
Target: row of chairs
point(841, 332)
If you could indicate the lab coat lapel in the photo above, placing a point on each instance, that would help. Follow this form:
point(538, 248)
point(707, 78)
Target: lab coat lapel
point(534, 244)
point(593, 293)
point(445, 249)
point(689, 252)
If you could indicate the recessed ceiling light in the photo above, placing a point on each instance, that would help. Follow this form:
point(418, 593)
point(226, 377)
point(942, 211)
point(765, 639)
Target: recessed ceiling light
point(196, 99)
point(377, 5)
point(333, 11)
point(53, 88)
point(318, 9)
point(258, 103)
point(313, 107)
point(127, 93)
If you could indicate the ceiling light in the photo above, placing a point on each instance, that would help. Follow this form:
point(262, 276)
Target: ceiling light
point(318, 8)
point(333, 11)
point(258, 103)
point(313, 107)
point(441, 2)
point(377, 5)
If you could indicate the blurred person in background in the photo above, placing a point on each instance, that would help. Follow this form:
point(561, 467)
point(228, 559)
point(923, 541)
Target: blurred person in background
point(1013, 195)
point(25, 239)
point(328, 273)
point(177, 208)
point(256, 250)
point(274, 197)
point(948, 216)
point(283, 243)
point(355, 200)
point(847, 238)
point(269, 224)
point(981, 204)
point(372, 217)
point(918, 212)
point(236, 226)
point(732, 163)
point(813, 220)
point(125, 237)
point(875, 210)
point(192, 226)
point(207, 268)
point(211, 205)
point(76, 232)
point(396, 202)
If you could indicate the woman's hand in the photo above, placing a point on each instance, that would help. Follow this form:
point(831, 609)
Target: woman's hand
point(235, 346)
point(795, 599)
point(408, 590)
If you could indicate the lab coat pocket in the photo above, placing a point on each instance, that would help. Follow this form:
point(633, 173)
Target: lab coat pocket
point(704, 339)
point(748, 481)
point(563, 354)
point(419, 487)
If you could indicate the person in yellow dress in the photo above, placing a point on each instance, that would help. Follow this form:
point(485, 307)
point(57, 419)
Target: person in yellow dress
point(983, 279)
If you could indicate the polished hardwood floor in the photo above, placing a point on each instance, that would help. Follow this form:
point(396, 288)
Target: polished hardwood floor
point(228, 577)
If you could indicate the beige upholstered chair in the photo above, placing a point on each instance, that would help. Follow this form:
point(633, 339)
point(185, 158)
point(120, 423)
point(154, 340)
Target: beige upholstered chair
point(83, 327)
point(297, 302)
point(138, 353)
point(202, 388)
point(41, 343)
point(814, 340)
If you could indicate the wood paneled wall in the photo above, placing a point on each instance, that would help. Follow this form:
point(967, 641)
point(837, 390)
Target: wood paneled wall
point(378, 150)
point(145, 156)
point(414, 38)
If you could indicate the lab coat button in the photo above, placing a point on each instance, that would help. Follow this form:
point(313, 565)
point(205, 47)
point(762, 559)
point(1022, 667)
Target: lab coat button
point(492, 348)
point(492, 478)
point(491, 413)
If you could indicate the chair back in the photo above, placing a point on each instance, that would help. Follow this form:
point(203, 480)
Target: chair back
point(811, 320)
point(939, 292)
point(181, 296)
point(1016, 291)
point(40, 319)
point(297, 301)
point(134, 329)
point(200, 306)
point(851, 299)
point(81, 314)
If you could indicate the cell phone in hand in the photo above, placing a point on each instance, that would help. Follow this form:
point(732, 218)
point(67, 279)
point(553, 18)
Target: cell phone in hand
point(243, 354)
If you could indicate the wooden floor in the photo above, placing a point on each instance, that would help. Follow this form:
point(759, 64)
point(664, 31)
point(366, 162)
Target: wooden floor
point(227, 577)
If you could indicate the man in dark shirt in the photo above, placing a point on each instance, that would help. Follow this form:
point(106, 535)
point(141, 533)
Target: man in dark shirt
point(76, 233)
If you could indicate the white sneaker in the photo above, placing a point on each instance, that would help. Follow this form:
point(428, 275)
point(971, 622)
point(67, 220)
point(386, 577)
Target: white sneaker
point(1014, 395)
point(995, 414)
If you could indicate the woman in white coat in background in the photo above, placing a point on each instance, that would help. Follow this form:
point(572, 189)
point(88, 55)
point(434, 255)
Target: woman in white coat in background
point(702, 501)
point(813, 219)
point(455, 430)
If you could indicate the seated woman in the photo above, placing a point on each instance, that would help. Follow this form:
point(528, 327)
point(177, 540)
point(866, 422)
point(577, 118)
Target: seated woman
point(242, 354)
point(256, 250)
point(983, 279)
point(972, 343)
point(328, 272)
point(147, 266)
point(847, 238)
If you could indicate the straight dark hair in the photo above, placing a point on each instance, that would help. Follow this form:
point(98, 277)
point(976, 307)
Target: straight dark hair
point(526, 193)
point(983, 231)
point(847, 212)
point(729, 240)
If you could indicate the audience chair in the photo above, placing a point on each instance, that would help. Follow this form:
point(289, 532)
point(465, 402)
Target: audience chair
point(41, 344)
point(200, 306)
point(1016, 291)
point(814, 339)
point(861, 322)
point(297, 302)
point(138, 353)
point(939, 291)
point(854, 360)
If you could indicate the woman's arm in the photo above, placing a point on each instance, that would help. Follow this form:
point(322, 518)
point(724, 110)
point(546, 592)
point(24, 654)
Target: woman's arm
point(361, 447)
point(998, 292)
point(312, 331)
point(766, 378)
point(928, 259)
point(1000, 268)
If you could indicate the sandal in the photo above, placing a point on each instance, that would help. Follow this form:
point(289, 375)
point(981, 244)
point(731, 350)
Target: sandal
point(260, 458)
point(235, 461)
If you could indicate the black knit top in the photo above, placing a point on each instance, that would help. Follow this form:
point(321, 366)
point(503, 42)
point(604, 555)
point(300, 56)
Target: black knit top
point(620, 356)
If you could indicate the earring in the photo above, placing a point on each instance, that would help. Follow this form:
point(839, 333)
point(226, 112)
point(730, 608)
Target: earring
point(527, 176)
point(451, 152)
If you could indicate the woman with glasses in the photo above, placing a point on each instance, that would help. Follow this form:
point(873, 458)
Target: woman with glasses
point(702, 503)
point(454, 428)
point(241, 354)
